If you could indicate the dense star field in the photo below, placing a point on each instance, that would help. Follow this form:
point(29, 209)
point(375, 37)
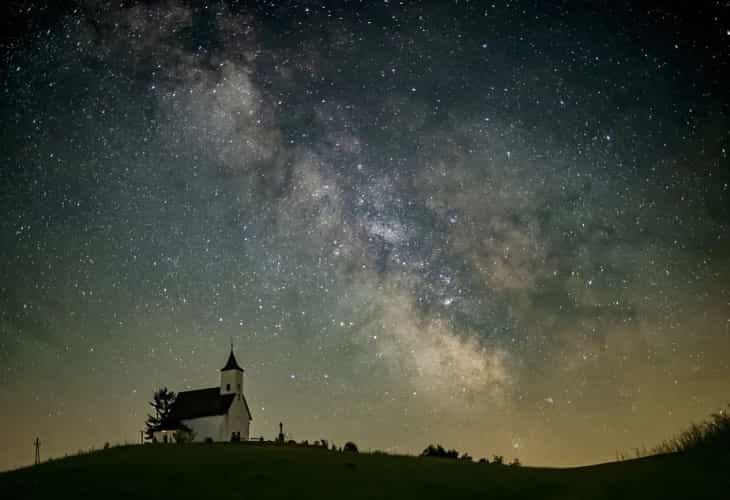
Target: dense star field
point(475, 223)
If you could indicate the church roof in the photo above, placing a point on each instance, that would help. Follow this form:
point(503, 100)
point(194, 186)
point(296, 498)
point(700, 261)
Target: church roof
point(197, 404)
point(232, 364)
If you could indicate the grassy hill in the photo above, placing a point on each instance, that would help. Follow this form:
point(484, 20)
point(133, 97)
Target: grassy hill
point(228, 471)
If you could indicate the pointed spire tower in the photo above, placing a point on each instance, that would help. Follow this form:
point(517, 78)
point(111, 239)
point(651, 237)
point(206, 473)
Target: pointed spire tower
point(231, 376)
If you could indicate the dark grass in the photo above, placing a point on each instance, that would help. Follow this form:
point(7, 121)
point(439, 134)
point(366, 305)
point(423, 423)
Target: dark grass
point(238, 471)
point(711, 435)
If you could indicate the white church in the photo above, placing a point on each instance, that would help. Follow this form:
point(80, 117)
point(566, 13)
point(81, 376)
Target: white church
point(219, 413)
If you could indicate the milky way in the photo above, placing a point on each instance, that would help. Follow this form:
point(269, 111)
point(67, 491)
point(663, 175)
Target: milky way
point(479, 224)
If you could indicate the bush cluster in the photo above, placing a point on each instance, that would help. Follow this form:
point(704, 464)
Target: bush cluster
point(439, 451)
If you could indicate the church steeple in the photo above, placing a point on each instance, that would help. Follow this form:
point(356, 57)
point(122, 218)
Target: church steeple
point(231, 364)
point(231, 376)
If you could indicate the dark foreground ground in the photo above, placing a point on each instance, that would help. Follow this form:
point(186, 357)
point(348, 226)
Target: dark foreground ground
point(227, 471)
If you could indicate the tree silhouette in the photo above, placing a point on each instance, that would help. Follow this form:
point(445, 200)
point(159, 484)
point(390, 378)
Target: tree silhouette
point(162, 401)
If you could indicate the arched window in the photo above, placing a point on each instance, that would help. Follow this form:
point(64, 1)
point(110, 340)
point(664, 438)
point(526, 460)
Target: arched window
point(228, 387)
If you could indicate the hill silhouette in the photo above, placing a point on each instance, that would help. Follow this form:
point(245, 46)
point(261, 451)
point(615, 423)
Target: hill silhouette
point(238, 471)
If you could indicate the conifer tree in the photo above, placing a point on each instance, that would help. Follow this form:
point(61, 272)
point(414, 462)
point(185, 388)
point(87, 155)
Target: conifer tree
point(161, 403)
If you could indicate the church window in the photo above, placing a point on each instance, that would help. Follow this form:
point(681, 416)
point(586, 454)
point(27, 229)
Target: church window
point(228, 387)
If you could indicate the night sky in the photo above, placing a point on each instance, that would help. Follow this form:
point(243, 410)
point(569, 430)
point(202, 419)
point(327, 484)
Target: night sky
point(496, 227)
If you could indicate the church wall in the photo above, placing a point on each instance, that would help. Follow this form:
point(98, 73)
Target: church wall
point(204, 427)
point(237, 419)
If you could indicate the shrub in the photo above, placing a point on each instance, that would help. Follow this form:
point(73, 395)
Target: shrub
point(106, 445)
point(208, 440)
point(498, 459)
point(515, 463)
point(483, 461)
point(350, 446)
